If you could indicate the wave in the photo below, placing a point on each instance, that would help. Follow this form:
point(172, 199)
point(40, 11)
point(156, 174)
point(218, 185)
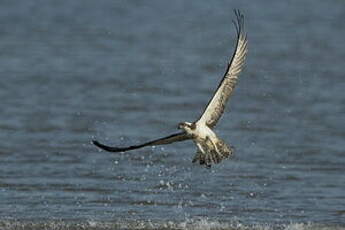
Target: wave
point(202, 224)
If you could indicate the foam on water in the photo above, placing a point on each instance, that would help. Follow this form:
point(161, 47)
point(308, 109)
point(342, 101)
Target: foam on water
point(200, 224)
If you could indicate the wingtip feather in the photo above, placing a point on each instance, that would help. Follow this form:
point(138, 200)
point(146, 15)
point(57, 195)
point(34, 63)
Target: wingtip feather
point(105, 147)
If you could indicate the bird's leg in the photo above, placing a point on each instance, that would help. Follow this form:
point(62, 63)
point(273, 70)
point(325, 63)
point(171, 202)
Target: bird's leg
point(217, 155)
point(200, 148)
point(200, 155)
point(214, 145)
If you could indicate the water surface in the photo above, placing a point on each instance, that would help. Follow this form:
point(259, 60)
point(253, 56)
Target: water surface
point(124, 72)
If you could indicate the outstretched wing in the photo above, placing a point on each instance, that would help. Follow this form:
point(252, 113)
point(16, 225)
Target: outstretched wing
point(216, 105)
point(162, 141)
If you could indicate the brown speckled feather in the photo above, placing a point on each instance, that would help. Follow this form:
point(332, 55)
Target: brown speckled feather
point(216, 105)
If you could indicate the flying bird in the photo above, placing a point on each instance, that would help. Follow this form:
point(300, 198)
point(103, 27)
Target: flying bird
point(210, 148)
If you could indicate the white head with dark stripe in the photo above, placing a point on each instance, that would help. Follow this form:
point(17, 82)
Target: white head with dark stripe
point(187, 126)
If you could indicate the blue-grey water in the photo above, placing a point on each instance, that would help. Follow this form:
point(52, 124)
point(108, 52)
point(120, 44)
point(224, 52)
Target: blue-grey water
point(123, 72)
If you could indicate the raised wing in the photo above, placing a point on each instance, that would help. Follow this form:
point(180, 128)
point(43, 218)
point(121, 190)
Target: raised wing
point(216, 105)
point(162, 141)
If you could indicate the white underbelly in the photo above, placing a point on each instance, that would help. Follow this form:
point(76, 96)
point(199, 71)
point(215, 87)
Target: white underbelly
point(203, 131)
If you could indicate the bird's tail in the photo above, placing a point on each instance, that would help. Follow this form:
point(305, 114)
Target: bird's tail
point(213, 154)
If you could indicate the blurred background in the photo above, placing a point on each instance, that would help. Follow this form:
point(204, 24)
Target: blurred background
point(123, 72)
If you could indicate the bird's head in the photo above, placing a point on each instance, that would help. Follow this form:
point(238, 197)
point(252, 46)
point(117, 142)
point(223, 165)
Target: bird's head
point(187, 126)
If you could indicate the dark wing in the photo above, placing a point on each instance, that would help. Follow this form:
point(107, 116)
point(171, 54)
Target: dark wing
point(216, 105)
point(162, 141)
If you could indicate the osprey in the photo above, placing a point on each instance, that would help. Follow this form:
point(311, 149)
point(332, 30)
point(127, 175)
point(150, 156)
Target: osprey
point(210, 148)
